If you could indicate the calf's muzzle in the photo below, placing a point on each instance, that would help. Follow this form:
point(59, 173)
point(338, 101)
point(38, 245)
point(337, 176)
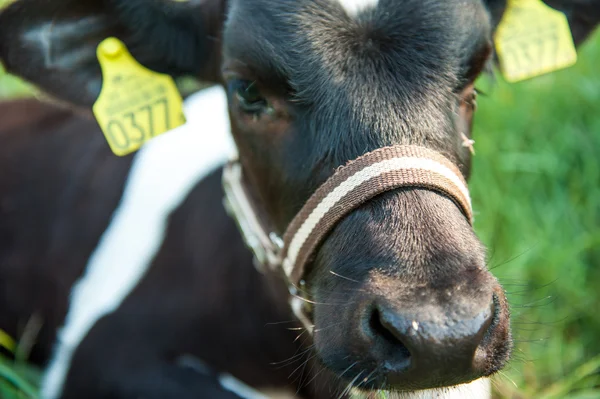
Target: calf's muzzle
point(409, 343)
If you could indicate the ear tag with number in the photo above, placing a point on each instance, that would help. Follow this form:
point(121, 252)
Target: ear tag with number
point(533, 39)
point(135, 103)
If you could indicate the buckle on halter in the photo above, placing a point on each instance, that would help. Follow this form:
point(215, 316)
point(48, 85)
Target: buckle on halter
point(266, 247)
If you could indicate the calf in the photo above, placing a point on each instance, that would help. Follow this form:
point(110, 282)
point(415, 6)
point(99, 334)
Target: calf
point(312, 85)
point(121, 243)
point(118, 281)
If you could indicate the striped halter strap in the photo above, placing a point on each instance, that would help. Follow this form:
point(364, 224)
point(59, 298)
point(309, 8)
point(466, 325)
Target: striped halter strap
point(352, 185)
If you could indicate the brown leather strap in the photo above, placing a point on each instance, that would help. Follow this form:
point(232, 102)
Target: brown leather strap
point(374, 173)
point(350, 186)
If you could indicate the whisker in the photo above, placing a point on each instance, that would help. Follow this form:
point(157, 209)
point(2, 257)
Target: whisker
point(508, 378)
point(295, 357)
point(299, 335)
point(301, 365)
point(315, 376)
point(301, 376)
point(531, 341)
point(347, 369)
point(344, 277)
point(290, 358)
point(366, 379)
point(289, 362)
point(349, 386)
point(492, 267)
point(536, 303)
point(281, 322)
point(300, 383)
point(322, 303)
point(329, 326)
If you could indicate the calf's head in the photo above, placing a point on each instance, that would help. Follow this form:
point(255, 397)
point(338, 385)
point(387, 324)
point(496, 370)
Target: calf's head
point(398, 291)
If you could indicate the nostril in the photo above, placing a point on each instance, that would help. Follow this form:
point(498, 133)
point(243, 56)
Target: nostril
point(485, 336)
point(380, 329)
point(377, 328)
point(491, 322)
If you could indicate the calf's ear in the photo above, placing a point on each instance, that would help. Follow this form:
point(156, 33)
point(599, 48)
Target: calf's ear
point(496, 9)
point(583, 16)
point(52, 44)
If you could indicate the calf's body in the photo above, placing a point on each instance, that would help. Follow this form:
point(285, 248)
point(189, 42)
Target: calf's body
point(196, 292)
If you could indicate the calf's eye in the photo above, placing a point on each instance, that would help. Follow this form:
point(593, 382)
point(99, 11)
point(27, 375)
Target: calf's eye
point(248, 95)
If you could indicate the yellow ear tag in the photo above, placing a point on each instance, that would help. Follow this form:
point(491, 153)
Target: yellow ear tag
point(533, 39)
point(135, 103)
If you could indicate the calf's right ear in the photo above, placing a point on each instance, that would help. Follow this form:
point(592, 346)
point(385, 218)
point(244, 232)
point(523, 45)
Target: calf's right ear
point(52, 44)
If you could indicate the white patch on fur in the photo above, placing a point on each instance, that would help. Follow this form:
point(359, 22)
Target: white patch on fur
point(353, 7)
point(161, 177)
point(478, 389)
point(236, 386)
point(229, 382)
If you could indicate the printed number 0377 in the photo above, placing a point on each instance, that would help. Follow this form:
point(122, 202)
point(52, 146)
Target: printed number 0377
point(138, 126)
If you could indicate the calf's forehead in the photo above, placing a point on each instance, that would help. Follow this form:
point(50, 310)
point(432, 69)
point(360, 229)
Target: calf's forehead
point(433, 34)
point(382, 70)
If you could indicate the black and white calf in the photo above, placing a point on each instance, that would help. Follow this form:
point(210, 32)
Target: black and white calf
point(139, 306)
point(121, 240)
point(399, 293)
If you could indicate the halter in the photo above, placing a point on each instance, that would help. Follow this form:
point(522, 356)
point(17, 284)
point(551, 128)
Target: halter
point(352, 185)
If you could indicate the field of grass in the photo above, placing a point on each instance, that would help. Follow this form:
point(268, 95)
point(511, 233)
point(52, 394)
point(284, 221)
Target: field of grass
point(536, 188)
point(536, 192)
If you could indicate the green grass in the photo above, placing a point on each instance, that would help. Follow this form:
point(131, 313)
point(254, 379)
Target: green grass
point(536, 188)
point(536, 191)
point(11, 87)
point(18, 380)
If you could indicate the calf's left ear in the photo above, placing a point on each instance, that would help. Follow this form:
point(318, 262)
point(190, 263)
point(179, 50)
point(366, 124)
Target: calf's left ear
point(52, 44)
point(583, 16)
